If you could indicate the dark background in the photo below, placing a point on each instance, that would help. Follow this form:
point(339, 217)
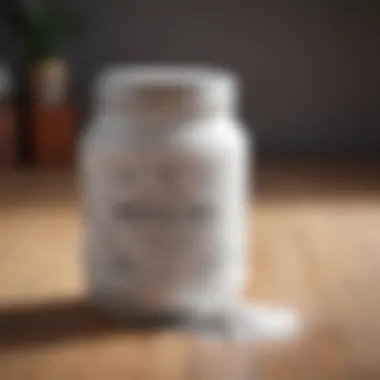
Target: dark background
point(310, 69)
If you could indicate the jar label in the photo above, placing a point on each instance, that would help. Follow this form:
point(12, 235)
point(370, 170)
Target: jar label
point(158, 218)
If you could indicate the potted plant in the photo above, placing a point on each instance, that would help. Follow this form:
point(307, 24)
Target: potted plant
point(7, 119)
point(53, 122)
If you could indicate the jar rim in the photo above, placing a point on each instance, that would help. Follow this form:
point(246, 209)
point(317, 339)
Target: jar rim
point(216, 88)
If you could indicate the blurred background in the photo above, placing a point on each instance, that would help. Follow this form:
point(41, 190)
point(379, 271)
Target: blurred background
point(310, 70)
point(310, 74)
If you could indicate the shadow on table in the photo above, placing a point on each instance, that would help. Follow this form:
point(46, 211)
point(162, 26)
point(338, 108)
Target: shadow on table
point(66, 320)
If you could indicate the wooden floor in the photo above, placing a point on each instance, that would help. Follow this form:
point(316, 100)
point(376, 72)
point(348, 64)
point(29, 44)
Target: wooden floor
point(315, 247)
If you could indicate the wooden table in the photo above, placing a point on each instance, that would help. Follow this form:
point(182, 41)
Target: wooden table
point(316, 248)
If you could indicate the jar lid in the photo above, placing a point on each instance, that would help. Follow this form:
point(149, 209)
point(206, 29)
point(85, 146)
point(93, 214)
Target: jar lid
point(166, 89)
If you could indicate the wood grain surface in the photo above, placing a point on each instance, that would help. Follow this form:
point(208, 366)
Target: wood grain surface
point(315, 248)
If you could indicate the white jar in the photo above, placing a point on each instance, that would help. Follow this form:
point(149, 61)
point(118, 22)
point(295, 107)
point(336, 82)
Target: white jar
point(164, 180)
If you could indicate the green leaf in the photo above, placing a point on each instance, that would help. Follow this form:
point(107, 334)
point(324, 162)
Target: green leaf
point(48, 25)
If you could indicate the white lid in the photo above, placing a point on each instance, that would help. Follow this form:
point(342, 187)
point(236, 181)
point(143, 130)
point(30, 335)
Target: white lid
point(166, 89)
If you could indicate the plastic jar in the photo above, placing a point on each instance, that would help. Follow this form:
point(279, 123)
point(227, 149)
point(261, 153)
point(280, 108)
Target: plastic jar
point(164, 165)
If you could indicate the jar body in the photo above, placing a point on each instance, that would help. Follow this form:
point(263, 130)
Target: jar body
point(164, 214)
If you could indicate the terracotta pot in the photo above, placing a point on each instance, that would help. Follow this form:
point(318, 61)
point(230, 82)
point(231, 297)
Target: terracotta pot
point(7, 137)
point(53, 119)
point(53, 134)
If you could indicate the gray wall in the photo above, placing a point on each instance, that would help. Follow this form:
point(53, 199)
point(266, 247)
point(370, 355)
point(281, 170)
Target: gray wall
point(310, 69)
